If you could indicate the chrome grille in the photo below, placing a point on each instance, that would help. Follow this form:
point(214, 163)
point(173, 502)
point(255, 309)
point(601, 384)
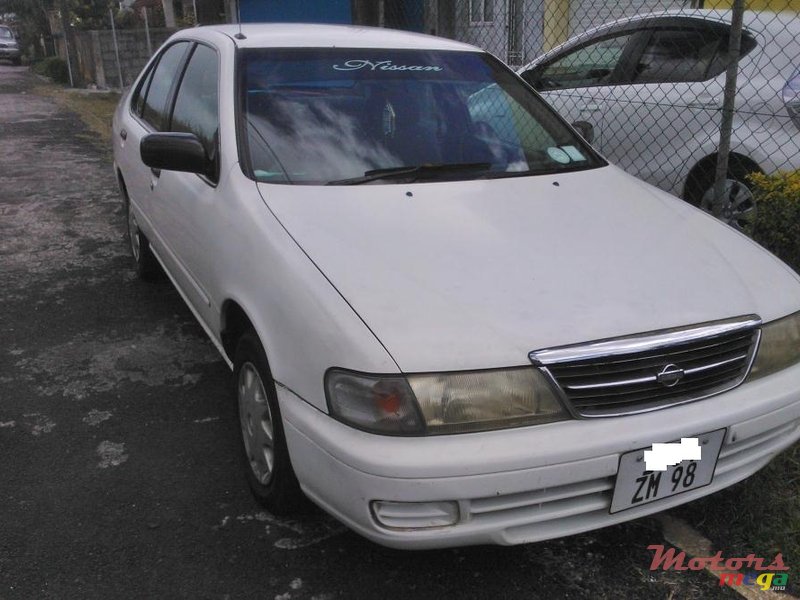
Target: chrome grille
point(654, 370)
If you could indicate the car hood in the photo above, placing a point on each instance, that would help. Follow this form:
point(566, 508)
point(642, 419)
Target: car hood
point(469, 275)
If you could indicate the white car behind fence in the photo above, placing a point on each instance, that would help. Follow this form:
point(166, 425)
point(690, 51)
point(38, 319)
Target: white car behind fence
point(651, 89)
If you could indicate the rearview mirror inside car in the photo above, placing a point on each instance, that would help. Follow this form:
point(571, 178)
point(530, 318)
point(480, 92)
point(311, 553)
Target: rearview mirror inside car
point(585, 129)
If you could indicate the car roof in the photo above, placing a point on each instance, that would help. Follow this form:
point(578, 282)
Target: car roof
point(759, 20)
point(306, 35)
point(778, 25)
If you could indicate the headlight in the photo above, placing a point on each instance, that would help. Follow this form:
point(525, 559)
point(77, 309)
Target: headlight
point(442, 403)
point(779, 347)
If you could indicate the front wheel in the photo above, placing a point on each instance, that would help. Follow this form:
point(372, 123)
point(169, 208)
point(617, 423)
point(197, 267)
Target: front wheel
point(738, 203)
point(265, 455)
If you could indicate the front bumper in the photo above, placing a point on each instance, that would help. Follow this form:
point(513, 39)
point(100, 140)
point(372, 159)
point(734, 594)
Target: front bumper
point(527, 484)
point(10, 53)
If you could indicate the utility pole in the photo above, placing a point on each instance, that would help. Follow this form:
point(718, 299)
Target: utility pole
point(728, 106)
point(63, 13)
point(116, 48)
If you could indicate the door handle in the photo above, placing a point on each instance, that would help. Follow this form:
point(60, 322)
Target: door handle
point(704, 102)
point(123, 133)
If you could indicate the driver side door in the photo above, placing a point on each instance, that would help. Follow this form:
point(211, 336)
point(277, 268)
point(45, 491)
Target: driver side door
point(185, 203)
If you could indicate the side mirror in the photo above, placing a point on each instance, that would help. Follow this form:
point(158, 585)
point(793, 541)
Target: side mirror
point(176, 152)
point(585, 129)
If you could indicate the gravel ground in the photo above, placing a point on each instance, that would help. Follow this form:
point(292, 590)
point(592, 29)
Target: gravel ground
point(119, 473)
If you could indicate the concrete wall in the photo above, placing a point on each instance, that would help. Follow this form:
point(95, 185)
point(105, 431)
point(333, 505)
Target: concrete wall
point(97, 60)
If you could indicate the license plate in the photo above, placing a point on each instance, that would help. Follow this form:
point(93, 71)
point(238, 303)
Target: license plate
point(637, 486)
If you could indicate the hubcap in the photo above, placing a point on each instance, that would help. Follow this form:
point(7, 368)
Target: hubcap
point(133, 234)
point(738, 204)
point(256, 422)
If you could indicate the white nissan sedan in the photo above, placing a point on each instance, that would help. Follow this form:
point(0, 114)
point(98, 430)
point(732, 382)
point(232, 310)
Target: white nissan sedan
point(440, 334)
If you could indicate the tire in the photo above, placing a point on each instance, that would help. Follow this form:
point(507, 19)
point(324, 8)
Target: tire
point(264, 454)
point(145, 263)
point(16, 61)
point(739, 207)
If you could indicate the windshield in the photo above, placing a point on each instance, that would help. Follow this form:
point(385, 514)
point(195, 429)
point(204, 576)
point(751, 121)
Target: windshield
point(329, 116)
point(5, 33)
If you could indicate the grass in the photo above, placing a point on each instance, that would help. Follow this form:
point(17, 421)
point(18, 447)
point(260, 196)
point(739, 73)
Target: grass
point(760, 515)
point(94, 108)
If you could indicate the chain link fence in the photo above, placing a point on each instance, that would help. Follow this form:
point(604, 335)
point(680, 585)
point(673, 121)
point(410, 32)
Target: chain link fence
point(645, 81)
point(690, 96)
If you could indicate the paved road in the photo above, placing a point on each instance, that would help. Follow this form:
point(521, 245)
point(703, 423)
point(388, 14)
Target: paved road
point(118, 470)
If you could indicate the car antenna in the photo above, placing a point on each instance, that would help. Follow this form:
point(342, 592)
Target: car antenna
point(240, 35)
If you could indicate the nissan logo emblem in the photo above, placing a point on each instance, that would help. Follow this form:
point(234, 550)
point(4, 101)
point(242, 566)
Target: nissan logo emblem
point(670, 375)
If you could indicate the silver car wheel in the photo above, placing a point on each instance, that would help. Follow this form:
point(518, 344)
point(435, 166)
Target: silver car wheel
point(738, 204)
point(133, 233)
point(255, 418)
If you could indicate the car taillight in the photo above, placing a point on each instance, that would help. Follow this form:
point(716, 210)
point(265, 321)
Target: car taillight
point(791, 98)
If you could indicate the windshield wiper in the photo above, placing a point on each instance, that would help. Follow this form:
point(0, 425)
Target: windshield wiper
point(412, 171)
point(548, 170)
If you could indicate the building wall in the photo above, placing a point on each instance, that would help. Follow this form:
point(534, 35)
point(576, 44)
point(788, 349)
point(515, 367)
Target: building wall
point(585, 14)
point(533, 29)
point(493, 36)
point(547, 23)
point(97, 59)
point(295, 11)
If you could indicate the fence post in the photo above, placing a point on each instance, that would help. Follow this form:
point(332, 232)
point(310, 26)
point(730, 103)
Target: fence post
point(147, 33)
point(116, 47)
point(64, 16)
point(728, 105)
point(69, 60)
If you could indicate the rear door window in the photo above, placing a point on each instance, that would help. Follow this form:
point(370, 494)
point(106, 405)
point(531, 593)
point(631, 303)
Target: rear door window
point(674, 55)
point(686, 54)
point(722, 59)
point(155, 110)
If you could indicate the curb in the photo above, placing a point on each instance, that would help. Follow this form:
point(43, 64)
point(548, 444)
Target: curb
point(684, 537)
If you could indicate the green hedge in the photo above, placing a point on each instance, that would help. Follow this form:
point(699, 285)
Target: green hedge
point(777, 224)
point(54, 68)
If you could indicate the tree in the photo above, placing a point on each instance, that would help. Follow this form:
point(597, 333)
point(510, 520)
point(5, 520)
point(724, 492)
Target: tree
point(89, 14)
point(30, 22)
